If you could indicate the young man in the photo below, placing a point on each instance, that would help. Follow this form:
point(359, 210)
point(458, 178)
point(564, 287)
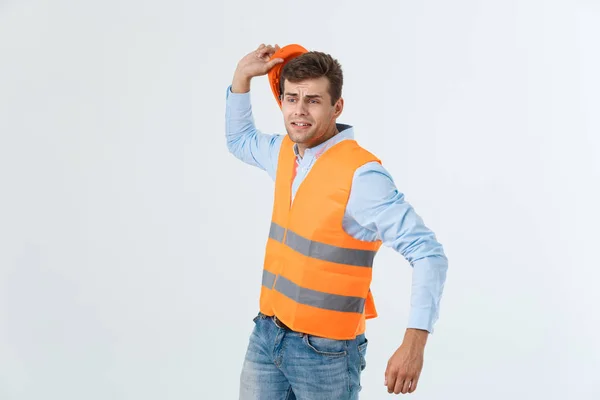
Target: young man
point(334, 206)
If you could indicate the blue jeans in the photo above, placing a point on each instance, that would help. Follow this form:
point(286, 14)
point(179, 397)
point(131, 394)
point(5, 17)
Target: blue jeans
point(285, 365)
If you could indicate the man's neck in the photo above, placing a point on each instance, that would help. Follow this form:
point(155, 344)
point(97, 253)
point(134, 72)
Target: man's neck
point(334, 131)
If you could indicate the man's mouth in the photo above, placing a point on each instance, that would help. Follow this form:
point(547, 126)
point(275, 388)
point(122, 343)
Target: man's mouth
point(301, 124)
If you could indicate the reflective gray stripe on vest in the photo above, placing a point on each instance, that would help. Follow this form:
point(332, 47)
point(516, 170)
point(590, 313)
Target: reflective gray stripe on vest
point(317, 299)
point(322, 251)
point(276, 232)
point(268, 279)
point(327, 252)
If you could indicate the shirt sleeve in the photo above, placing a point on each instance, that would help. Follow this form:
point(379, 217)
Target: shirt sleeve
point(376, 204)
point(246, 142)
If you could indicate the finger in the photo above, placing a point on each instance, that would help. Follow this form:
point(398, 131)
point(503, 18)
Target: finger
point(413, 385)
point(260, 50)
point(390, 379)
point(274, 62)
point(266, 52)
point(399, 384)
point(270, 50)
point(406, 386)
point(385, 375)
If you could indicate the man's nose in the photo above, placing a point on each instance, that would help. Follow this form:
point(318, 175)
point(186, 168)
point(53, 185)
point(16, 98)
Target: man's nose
point(300, 107)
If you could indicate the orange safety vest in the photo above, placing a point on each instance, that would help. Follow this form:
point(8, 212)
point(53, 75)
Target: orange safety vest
point(316, 277)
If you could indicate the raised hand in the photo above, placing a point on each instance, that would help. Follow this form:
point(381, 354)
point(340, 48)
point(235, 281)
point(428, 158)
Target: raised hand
point(256, 63)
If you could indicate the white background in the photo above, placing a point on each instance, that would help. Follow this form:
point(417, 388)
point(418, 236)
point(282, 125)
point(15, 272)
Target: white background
point(131, 241)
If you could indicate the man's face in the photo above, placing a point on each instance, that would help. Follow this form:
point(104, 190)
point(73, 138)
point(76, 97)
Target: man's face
point(307, 111)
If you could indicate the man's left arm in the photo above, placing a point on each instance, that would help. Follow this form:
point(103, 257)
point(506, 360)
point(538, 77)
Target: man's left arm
point(378, 206)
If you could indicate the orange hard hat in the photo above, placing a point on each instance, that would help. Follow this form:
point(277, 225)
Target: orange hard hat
point(287, 53)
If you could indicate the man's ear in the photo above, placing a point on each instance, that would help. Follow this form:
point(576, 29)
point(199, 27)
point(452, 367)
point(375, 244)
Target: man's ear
point(338, 107)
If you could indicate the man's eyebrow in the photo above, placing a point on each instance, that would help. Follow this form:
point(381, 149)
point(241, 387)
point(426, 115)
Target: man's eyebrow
point(310, 96)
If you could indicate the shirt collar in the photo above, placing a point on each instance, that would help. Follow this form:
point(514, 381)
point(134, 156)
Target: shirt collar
point(344, 132)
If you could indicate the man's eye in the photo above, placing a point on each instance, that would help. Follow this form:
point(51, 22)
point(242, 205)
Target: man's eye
point(314, 101)
point(290, 99)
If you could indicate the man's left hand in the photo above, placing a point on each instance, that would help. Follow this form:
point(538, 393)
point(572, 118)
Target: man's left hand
point(404, 367)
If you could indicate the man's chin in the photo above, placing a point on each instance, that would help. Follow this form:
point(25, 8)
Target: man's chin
point(296, 138)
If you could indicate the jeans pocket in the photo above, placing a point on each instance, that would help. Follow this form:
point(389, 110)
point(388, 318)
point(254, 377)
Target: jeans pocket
point(325, 347)
point(362, 352)
point(259, 316)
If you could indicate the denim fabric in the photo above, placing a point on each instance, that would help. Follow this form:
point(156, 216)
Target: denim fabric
point(283, 365)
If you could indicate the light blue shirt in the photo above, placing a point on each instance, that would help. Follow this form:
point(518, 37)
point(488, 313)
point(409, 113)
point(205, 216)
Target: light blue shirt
point(376, 210)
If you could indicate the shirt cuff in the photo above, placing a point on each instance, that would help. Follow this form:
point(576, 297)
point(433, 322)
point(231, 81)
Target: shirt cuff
point(239, 101)
point(429, 275)
point(421, 318)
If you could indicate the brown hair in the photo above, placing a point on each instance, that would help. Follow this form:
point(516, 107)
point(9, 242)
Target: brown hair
point(313, 65)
